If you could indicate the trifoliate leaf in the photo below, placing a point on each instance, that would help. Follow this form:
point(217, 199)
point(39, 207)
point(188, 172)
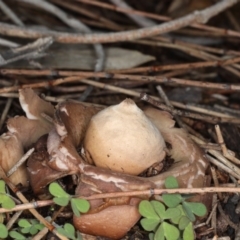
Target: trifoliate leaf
point(150, 224)
point(146, 210)
point(81, 205)
point(57, 191)
point(24, 223)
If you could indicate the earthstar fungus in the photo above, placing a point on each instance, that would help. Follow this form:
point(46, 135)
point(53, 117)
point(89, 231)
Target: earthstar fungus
point(122, 141)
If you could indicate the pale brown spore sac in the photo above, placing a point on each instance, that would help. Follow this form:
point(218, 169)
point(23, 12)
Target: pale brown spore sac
point(123, 139)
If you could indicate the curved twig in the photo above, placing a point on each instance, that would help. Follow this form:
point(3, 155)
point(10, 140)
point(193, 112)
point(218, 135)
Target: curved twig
point(195, 17)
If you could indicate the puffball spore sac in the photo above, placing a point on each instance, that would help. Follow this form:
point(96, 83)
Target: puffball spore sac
point(123, 139)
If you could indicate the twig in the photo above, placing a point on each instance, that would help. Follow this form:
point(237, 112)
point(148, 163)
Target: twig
point(153, 69)
point(222, 144)
point(215, 180)
point(31, 205)
point(5, 111)
point(217, 30)
point(20, 162)
point(209, 145)
point(192, 52)
point(168, 103)
point(224, 163)
point(214, 206)
point(154, 79)
point(107, 23)
point(214, 50)
point(7, 43)
point(150, 192)
point(13, 219)
point(31, 50)
point(234, 112)
point(162, 191)
point(40, 235)
point(11, 14)
point(196, 17)
point(214, 213)
point(178, 119)
point(160, 105)
point(222, 166)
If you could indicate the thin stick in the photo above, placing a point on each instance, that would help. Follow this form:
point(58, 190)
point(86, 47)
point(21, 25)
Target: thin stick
point(192, 52)
point(197, 17)
point(222, 144)
point(217, 30)
point(40, 235)
point(20, 162)
point(158, 104)
point(11, 14)
point(151, 192)
point(29, 50)
point(163, 191)
point(13, 219)
point(224, 163)
point(214, 213)
point(215, 180)
point(5, 111)
point(181, 66)
point(31, 205)
point(154, 79)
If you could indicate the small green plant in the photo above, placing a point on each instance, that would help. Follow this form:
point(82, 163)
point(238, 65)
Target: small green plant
point(26, 227)
point(62, 198)
point(69, 231)
point(5, 200)
point(173, 219)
